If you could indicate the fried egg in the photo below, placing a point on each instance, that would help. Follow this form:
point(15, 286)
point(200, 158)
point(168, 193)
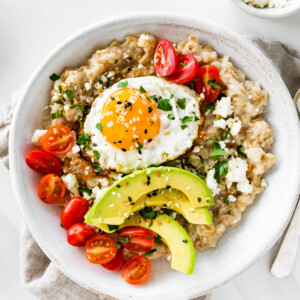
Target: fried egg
point(141, 122)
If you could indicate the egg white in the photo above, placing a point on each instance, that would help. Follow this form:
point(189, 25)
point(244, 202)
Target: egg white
point(171, 142)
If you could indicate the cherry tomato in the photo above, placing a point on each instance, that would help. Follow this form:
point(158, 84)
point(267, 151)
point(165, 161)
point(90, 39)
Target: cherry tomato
point(136, 270)
point(165, 58)
point(74, 212)
point(186, 70)
point(100, 249)
point(78, 234)
point(209, 82)
point(58, 140)
point(51, 189)
point(116, 263)
point(138, 239)
point(43, 162)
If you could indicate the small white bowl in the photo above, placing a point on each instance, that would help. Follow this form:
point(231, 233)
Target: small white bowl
point(270, 13)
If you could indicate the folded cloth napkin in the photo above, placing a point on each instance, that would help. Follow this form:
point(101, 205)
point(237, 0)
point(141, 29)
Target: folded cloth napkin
point(38, 273)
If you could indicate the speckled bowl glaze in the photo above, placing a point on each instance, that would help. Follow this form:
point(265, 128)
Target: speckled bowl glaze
point(261, 224)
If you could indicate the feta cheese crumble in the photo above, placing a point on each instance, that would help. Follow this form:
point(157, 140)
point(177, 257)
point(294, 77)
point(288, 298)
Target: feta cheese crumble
point(71, 183)
point(212, 183)
point(223, 107)
point(37, 138)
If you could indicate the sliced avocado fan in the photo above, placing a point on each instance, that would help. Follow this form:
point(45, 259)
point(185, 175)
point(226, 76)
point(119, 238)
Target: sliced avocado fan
point(125, 196)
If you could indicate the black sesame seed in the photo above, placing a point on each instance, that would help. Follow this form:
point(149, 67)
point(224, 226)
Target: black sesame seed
point(185, 241)
point(129, 199)
point(129, 69)
point(154, 194)
point(145, 131)
point(229, 156)
point(148, 180)
point(116, 61)
point(150, 109)
point(119, 142)
point(130, 58)
point(123, 149)
point(119, 102)
point(148, 195)
point(150, 140)
point(72, 101)
point(132, 203)
point(118, 186)
point(164, 205)
point(112, 98)
point(139, 151)
point(94, 144)
point(168, 187)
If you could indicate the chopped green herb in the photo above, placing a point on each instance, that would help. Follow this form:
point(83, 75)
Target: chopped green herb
point(217, 151)
point(80, 121)
point(84, 140)
point(171, 117)
point(200, 175)
point(196, 118)
point(54, 77)
point(60, 89)
point(214, 84)
point(123, 84)
point(157, 238)
point(221, 169)
point(149, 252)
point(96, 167)
point(87, 191)
point(113, 227)
point(225, 135)
point(164, 104)
point(99, 127)
point(192, 83)
point(186, 119)
point(59, 223)
point(148, 213)
point(110, 81)
point(77, 105)
point(124, 240)
point(118, 246)
point(199, 199)
point(181, 103)
point(226, 201)
point(142, 90)
point(229, 212)
point(115, 158)
point(139, 146)
point(210, 106)
point(153, 97)
point(59, 101)
point(217, 118)
point(240, 151)
point(69, 94)
point(149, 237)
point(55, 115)
point(96, 153)
point(183, 126)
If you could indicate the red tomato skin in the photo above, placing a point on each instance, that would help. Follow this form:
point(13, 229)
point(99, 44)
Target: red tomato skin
point(52, 145)
point(187, 72)
point(116, 263)
point(140, 239)
point(132, 265)
point(91, 249)
point(46, 181)
point(206, 73)
point(78, 234)
point(165, 58)
point(74, 212)
point(43, 162)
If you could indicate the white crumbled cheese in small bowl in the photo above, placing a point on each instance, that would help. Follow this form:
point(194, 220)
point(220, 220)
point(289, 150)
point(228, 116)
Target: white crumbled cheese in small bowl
point(223, 107)
point(267, 3)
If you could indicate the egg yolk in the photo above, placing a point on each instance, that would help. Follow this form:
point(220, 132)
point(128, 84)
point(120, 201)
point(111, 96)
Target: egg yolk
point(130, 119)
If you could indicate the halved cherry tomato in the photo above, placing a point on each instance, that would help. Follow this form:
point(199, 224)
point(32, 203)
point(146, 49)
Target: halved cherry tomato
point(43, 162)
point(74, 212)
point(100, 249)
point(116, 263)
point(209, 82)
point(136, 270)
point(58, 140)
point(165, 58)
point(51, 189)
point(138, 239)
point(78, 234)
point(186, 70)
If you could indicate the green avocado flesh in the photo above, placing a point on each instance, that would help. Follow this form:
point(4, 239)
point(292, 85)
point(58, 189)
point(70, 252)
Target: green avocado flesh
point(167, 198)
point(130, 194)
point(173, 235)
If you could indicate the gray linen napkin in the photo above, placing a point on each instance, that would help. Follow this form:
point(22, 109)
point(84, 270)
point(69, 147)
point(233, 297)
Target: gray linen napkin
point(38, 273)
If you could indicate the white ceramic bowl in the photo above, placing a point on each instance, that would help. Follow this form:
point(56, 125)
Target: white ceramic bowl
point(270, 13)
point(262, 223)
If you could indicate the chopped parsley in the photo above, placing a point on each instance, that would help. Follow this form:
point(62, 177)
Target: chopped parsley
point(226, 201)
point(186, 119)
point(80, 121)
point(181, 103)
point(217, 151)
point(240, 151)
point(77, 105)
point(214, 84)
point(87, 191)
point(123, 84)
point(110, 81)
point(164, 104)
point(124, 240)
point(57, 114)
point(59, 101)
point(69, 94)
point(96, 153)
point(54, 77)
point(199, 199)
point(210, 106)
point(225, 135)
point(148, 213)
point(149, 252)
point(118, 246)
point(96, 167)
point(149, 237)
point(113, 227)
point(192, 83)
point(142, 90)
point(60, 89)
point(183, 127)
point(200, 175)
point(221, 169)
point(99, 127)
point(139, 146)
point(171, 117)
point(182, 64)
point(84, 140)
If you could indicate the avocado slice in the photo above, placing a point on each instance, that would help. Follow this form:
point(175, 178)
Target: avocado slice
point(173, 235)
point(168, 198)
point(119, 200)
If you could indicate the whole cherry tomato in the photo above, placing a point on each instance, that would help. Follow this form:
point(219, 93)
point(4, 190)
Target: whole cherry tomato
point(51, 189)
point(74, 212)
point(78, 234)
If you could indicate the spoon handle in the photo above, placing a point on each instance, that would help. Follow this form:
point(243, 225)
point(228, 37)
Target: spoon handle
point(285, 257)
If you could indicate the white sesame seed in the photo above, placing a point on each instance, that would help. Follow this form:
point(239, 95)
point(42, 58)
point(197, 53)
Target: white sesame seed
point(192, 209)
point(134, 128)
point(110, 124)
point(140, 112)
point(170, 190)
point(119, 195)
point(188, 187)
point(131, 175)
point(177, 205)
point(126, 214)
point(149, 171)
point(113, 193)
point(100, 219)
point(167, 178)
point(112, 205)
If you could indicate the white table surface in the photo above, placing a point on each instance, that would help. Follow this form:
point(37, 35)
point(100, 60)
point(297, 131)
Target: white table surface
point(29, 29)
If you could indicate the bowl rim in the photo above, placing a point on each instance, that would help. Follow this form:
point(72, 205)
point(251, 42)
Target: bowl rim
point(157, 18)
point(269, 13)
